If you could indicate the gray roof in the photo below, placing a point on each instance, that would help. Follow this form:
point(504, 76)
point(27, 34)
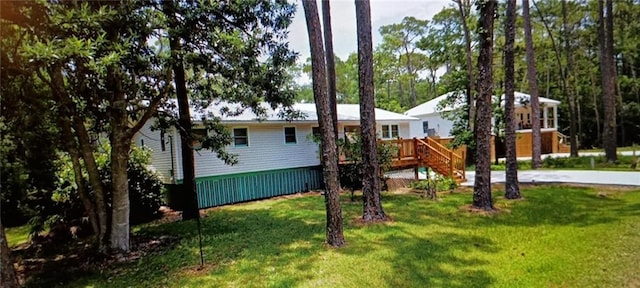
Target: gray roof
point(431, 106)
point(346, 112)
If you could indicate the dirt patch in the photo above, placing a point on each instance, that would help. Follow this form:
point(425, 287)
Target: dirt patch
point(478, 211)
point(47, 260)
point(359, 222)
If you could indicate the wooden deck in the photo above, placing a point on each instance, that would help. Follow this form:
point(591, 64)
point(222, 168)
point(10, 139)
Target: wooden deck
point(415, 153)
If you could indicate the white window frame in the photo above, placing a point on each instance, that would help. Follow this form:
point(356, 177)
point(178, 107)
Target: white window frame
point(295, 135)
point(233, 133)
point(389, 129)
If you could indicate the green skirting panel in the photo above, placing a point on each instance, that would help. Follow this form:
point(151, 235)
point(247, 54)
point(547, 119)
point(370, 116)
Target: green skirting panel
point(227, 189)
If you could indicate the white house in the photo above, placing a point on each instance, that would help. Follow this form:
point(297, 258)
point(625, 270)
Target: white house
point(275, 156)
point(433, 123)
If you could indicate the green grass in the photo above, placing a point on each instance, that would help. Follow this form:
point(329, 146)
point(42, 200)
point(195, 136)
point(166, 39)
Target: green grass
point(17, 235)
point(558, 237)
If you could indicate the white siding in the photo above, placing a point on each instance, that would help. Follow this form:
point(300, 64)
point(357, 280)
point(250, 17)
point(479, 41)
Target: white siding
point(160, 160)
point(441, 126)
point(403, 128)
point(266, 151)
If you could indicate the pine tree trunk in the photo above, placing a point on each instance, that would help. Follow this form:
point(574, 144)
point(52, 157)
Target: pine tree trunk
point(512, 187)
point(607, 68)
point(372, 206)
point(188, 161)
point(471, 89)
point(8, 277)
point(331, 63)
point(335, 237)
point(573, 107)
point(536, 138)
point(482, 186)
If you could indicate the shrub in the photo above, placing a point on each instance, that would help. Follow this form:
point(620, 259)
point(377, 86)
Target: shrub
point(145, 188)
point(351, 174)
point(434, 183)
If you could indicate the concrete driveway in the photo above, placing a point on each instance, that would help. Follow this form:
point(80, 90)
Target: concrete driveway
point(566, 176)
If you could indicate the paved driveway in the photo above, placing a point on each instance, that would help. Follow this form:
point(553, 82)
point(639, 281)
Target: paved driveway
point(566, 176)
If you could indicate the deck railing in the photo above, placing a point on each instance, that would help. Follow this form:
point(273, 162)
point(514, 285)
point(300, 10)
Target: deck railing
point(425, 152)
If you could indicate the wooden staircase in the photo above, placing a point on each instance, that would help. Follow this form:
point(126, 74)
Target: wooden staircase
point(441, 159)
point(427, 152)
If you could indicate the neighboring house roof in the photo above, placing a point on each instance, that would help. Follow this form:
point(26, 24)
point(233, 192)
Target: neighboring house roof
point(432, 106)
point(346, 112)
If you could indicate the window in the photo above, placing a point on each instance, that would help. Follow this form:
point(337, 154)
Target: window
point(163, 146)
point(240, 137)
point(290, 135)
point(315, 131)
point(198, 135)
point(389, 131)
point(351, 132)
point(425, 126)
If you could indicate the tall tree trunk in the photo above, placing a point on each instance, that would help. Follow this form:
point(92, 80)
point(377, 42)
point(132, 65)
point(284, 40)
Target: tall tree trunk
point(412, 85)
point(99, 189)
point(512, 187)
point(72, 148)
point(471, 89)
point(86, 151)
point(335, 237)
point(371, 186)
point(571, 96)
point(120, 145)
point(331, 63)
point(536, 160)
point(482, 186)
point(563, 80)
point(605, 31)
point(188, 162)
point(8, 277)
point(596, 111)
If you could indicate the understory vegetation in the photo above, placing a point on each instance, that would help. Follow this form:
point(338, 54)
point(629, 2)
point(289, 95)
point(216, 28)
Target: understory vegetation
point(560, 236)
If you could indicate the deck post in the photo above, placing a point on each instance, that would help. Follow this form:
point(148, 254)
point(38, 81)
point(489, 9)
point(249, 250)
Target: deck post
point(415, 149)
point(464, 164)
point(415, 172)
point(555, 117)
point(450, 163)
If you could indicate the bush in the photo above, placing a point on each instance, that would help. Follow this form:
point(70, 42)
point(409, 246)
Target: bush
point(351, 174)
point(145, 188)
point(435, 183)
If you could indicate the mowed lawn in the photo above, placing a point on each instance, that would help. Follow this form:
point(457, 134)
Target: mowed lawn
point(557, 237)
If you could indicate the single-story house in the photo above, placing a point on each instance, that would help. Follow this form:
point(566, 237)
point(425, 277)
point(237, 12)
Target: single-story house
point(434, 124)
point(275, 156)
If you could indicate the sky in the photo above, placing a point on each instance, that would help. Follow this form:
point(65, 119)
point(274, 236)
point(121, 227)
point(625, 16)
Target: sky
point(383, 12)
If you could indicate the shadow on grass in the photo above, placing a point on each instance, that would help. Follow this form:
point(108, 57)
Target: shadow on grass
point(280, 243)
point(280, 235)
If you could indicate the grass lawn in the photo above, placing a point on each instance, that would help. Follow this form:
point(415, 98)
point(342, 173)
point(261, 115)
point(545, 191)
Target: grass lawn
point(557, 237)
point(17, 235)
